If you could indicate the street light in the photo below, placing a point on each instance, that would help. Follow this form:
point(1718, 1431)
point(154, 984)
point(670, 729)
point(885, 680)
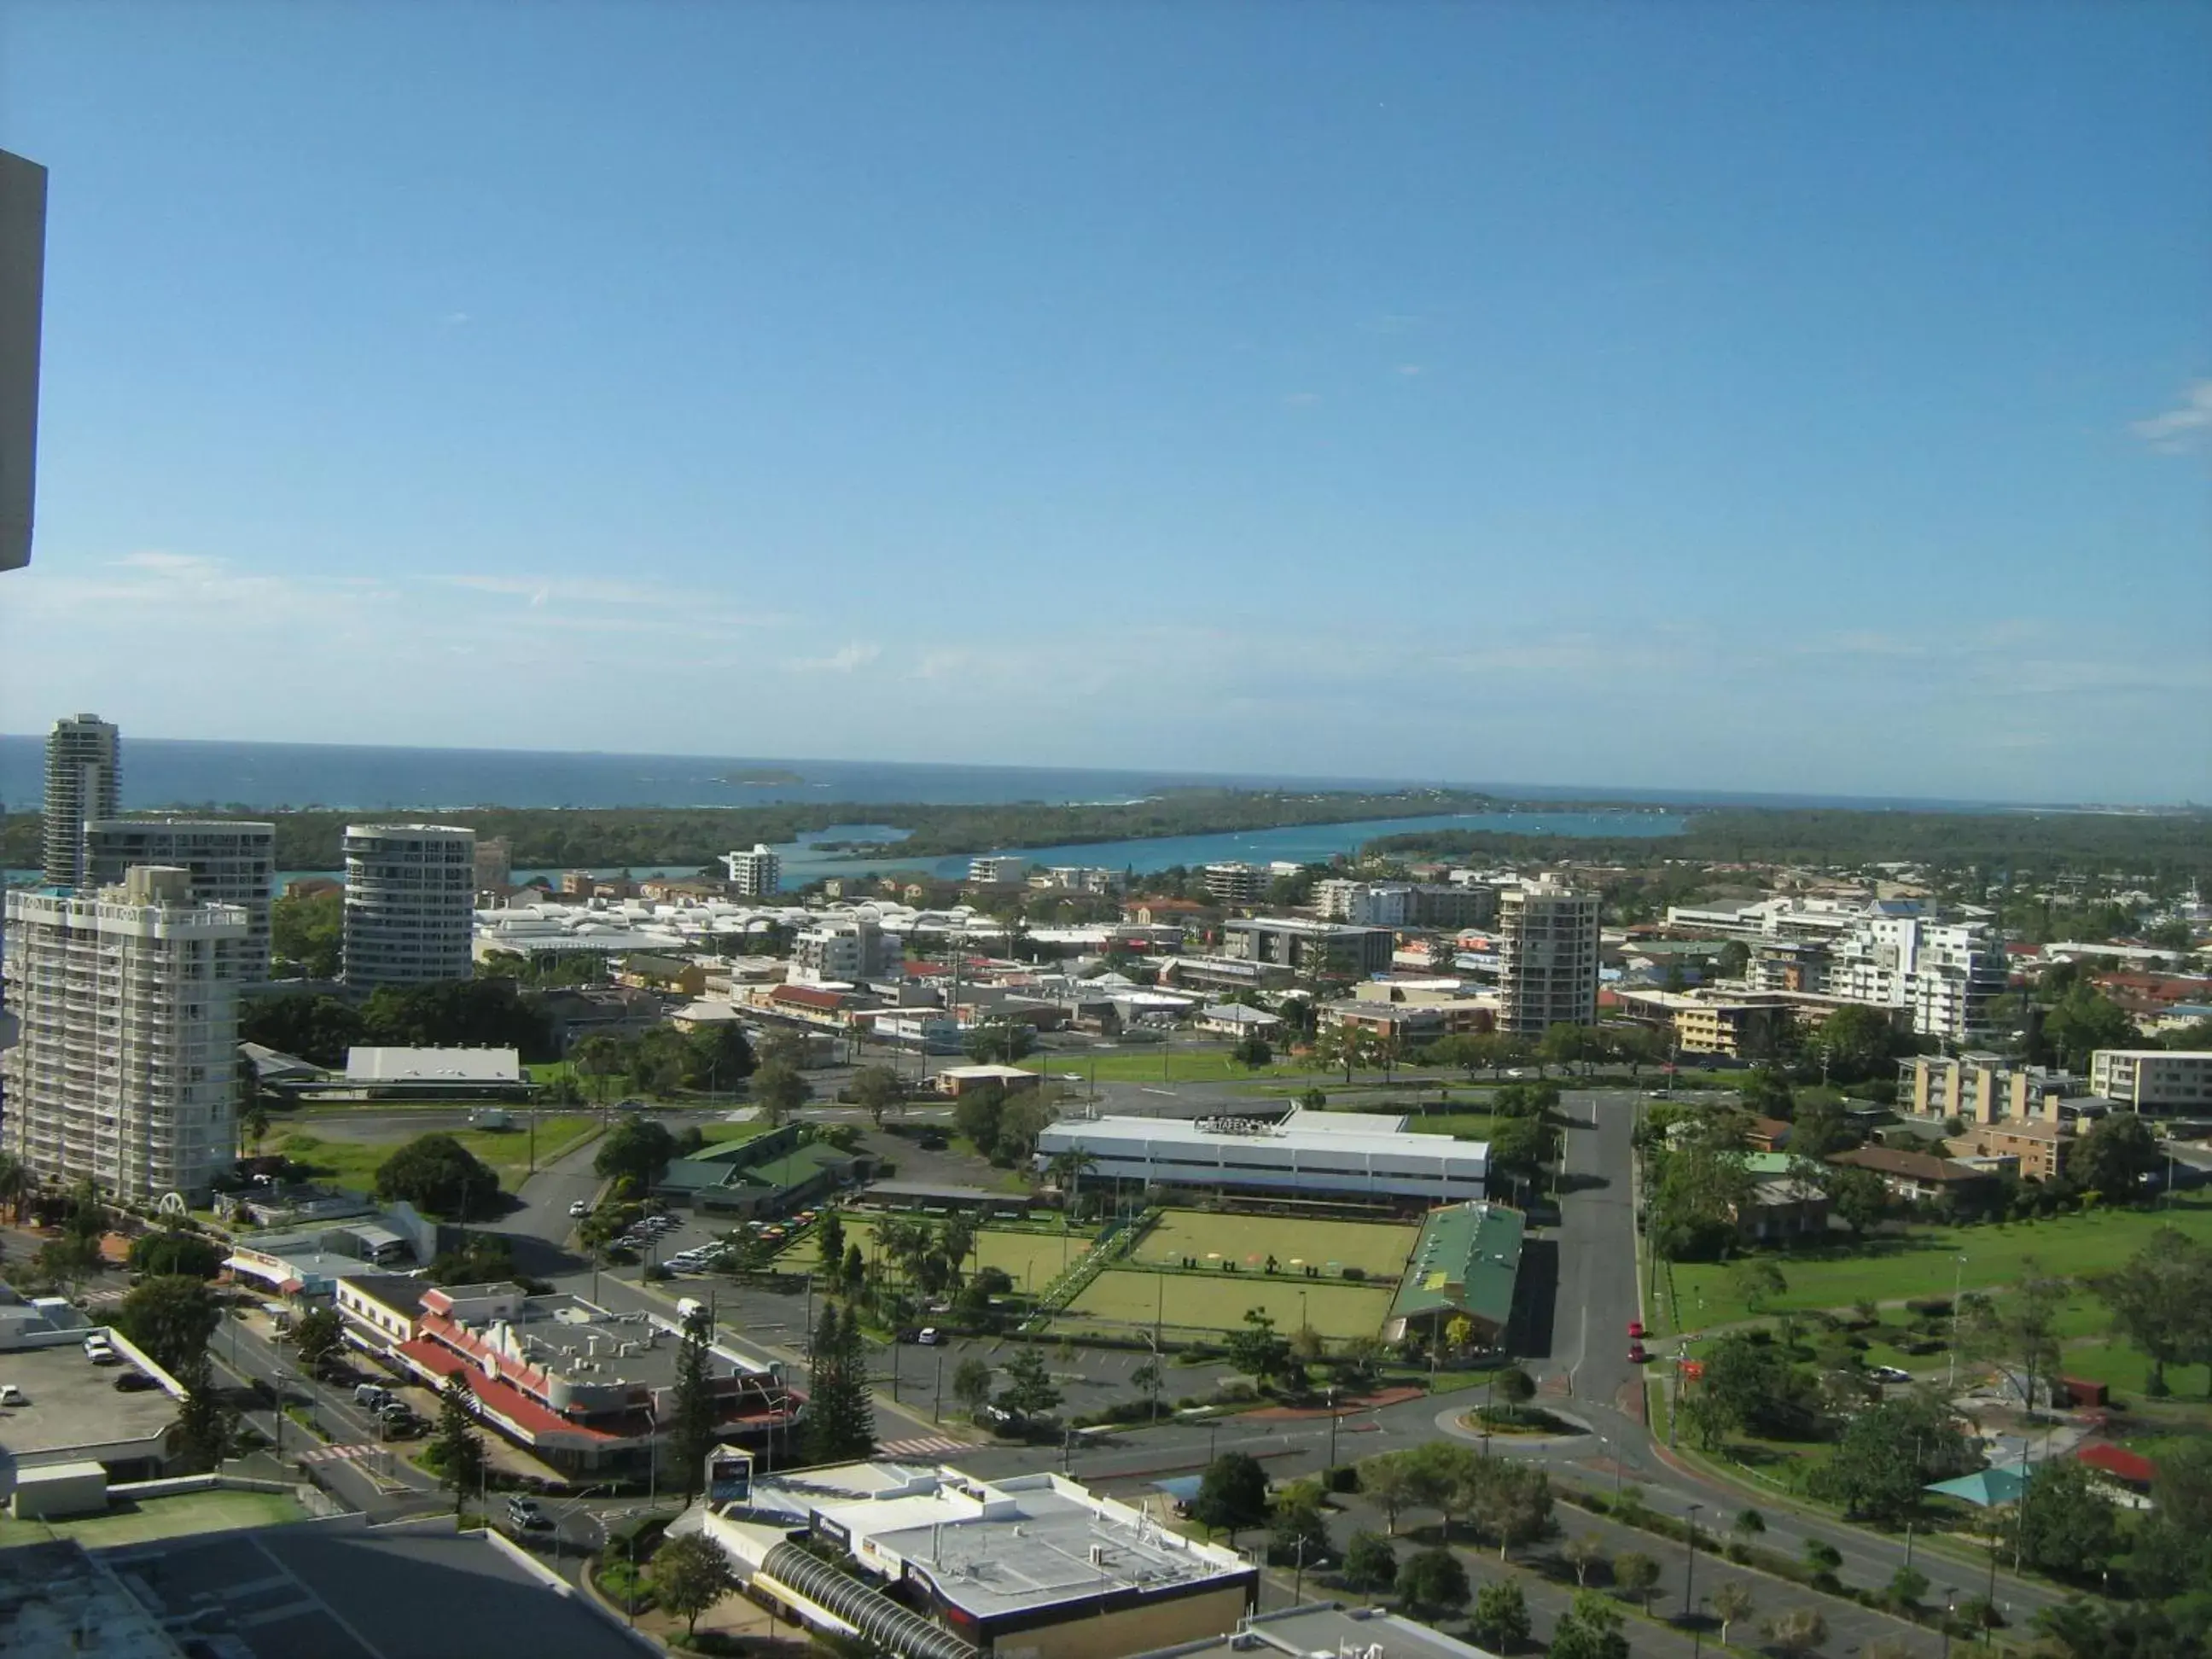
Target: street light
point(1690, 1561)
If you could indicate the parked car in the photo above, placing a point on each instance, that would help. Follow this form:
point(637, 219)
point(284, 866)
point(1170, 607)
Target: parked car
point(1635, 1354)
point(135, 1381)
point(1636, 1330)
point(101, 1351)
point(525, 1514)
point(932, 1143)
point(579, 1208)
point(1889, 1374)
point(12, 1395)
point(929, 1336)
point(374, 1395)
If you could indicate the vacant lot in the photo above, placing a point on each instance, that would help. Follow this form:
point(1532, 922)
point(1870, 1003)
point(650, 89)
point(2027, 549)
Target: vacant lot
point(332, 1157)
point(140, 1521)
point(1205, 1302)
point(1378, 1248)
point(1926, 1262)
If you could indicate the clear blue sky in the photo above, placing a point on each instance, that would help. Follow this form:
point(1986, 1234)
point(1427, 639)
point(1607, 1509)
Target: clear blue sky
point(1788, 396)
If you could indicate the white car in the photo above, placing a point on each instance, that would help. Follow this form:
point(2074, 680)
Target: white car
point(579, 1208)
point(98, 1349)
point(1889, 1374)
point(12, 1395)
point(930, 1336)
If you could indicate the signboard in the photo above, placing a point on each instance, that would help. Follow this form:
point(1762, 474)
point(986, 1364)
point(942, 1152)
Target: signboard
point(729, 1475)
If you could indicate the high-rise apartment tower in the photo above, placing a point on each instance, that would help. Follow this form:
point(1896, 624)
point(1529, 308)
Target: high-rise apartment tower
point(229, 861)
point(123, 1071)
point(410, 903)
point(84, 769)
point(757, 875)
point(1547, 958)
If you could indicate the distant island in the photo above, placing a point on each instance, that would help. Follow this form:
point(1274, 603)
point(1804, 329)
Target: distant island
point(764, 777)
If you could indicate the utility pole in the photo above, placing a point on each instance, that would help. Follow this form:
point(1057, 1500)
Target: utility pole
point(1690, 1562)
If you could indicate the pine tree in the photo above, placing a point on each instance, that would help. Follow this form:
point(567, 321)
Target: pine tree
point(840, 1418)
point(459, 1450)
point(691, 1426)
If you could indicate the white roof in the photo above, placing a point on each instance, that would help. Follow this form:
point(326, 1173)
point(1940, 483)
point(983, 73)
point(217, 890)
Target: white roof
point(1346, 1123)
point(1260, 1143)
point(984, 1074)
point(433, 1066)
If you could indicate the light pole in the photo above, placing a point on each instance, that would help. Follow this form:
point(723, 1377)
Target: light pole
point(1690, 1561)
point(1958, 1289)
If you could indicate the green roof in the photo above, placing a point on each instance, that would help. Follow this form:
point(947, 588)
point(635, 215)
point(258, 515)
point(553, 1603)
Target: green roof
point(1467, 1260)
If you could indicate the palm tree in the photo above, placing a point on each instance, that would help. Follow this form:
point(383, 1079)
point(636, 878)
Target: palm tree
point(1066, 1170)
point(16, 1184)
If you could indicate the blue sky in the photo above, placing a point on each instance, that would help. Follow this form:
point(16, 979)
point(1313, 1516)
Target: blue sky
point(1798, 397)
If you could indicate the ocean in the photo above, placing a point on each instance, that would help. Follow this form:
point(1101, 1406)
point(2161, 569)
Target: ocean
point(163, 772)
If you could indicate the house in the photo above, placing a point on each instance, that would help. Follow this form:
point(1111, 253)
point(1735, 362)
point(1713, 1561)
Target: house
point(1465, 1264)
point(1236, 1021)
point(956, 1080)
point(1150, 912)
point(1918, 1175)
point(770, 1175)
point(1766, 1135)
point(1783, 1207)
point(670, 976)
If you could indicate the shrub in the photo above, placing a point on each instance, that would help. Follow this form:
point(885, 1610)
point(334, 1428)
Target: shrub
point(1355, 1272)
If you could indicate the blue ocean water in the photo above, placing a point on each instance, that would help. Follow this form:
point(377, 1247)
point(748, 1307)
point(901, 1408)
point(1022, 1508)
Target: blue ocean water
point(159, 772)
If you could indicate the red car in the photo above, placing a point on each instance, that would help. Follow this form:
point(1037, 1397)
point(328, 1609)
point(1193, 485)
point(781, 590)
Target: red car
point(1636, 1330)
point(1636, 1355)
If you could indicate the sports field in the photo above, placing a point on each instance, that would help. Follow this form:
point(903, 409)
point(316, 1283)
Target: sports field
point(1217, 1301)
point(1378, 1248)
point(1031, 1260)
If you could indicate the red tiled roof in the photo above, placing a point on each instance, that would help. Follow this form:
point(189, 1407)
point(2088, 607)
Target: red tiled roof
point(2119, 1463)
point(511, 1404)
point(807, 997)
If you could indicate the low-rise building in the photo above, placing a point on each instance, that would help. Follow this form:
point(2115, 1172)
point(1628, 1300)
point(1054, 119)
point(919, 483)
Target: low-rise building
point(72, 1415)
point(998, 870)
point(1364, 1154)
point(1918, 1175)
point(1465, 1264)
point(2154, 1079)
point(1236, 1021)
point(582, 1388)
point(1033, 1564)
point(1325, 1630)
point(1306, 947)
point(2039, 1150)
point(1409, 1022)
point(1981, 1087)
point(431, 1074)
point(1737, 1024)
point(1782, 1206)
point(670, 976)
point(770, 1175)
point(1237, 885)
point(956, 1080)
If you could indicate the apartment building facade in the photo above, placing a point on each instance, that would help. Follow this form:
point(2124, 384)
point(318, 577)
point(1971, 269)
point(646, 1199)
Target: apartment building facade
point(128, 1003)
point(1943, 977)
point(230, 863)
point(495, 863)
point(1547, 937)
point(1237, 885)
point(757, 875)
point(2155, 1079)
point(84, 777)
point(843, 950)
point(410, 903)
point(1981, 1088)
point(1310, 947)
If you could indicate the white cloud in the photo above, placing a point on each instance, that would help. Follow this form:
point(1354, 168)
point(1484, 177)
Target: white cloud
point(2184, 427)
point(844, 660)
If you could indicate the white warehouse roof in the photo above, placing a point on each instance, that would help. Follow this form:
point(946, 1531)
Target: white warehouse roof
point(1298, 1154)
point(433, 1066)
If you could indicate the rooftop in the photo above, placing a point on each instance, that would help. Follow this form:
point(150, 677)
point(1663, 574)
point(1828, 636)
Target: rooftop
point(74, 1405)
point(1468, 1259)
point(432, 1065)
point(1299, 1131)
point(1328, 1629)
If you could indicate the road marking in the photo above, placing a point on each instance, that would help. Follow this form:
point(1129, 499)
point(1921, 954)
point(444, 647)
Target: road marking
point(921, 1444)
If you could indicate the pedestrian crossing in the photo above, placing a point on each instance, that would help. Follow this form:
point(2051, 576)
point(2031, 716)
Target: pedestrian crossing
point(922, 1446)
point(353, 1451)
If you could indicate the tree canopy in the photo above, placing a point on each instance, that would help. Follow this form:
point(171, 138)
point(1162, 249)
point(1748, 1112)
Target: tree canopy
point(436, 1173)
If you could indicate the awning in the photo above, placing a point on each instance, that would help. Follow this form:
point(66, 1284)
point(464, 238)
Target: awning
point(1183, 1489)
point(1984, 1488)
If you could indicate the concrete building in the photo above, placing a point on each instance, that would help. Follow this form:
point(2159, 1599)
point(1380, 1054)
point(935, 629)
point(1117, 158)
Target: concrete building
point(1366, 1154)
point(757, 875)
point(22, 279)
point(1547, 958)
point(1077, 878)
point(83, 773)
point(1981, 1088)
point(1325, 1630)
point(1739, 1025)
point(1307, 947)
point(495, 865)
point(410, 903)
point(1368, 903)
point(75, 1415)
point(843, 950)
point(2154, 1079)
point(1946, 975)
point(1235, 884)
point(998, 869)
point(1029, 1564)
point(1454, 904)
point(129, 1005)
point(2039, 1151)
point(230, 862)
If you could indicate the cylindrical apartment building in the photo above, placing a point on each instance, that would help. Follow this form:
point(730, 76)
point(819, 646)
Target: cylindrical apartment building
point(410, 903)
point(83, 770)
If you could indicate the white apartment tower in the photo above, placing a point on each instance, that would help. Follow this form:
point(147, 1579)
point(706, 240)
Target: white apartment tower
point(1547, 958)
point(128, 1006)
point(843, 950)
point(82, 772)
point(230, 862)
point(1949, 975)
point(410, 903)
point(757, 875)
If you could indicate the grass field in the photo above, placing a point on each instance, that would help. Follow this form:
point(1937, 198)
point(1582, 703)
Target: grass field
point(1466, 1125)
point(1031, 1260)
point(721, 1134)
point(1377, 1247)
point(355, 1163)
point(140, 1521)
point(1217, 1302)
point(1924, 1264)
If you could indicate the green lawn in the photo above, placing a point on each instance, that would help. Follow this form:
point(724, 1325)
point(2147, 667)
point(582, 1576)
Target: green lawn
point(1205, 1303)
point(140, 1520)
point(1143, 1063)
point(355, 1163)
point(1925, 1263)
point(1031, 1259)
point(1377, 1247)
point(1466, 1125)
point(716, 1134)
